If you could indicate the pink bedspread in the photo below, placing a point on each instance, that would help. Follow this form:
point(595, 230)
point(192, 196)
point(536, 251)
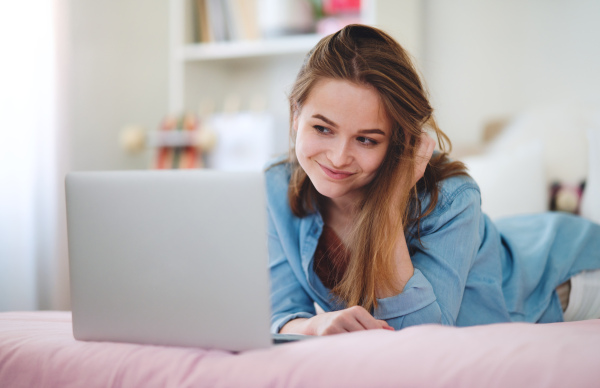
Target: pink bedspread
point(37, 349)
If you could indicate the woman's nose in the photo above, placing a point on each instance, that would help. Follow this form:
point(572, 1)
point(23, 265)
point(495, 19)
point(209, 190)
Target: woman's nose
point(340, 155)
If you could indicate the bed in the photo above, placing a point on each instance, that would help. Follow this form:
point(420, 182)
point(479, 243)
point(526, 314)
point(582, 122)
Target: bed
point(37, 349)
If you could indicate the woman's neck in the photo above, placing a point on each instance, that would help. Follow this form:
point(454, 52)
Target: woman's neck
point(345, 205)
point(338, 215)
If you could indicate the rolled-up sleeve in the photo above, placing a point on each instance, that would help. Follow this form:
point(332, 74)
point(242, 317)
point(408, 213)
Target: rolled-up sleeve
point(442, 263)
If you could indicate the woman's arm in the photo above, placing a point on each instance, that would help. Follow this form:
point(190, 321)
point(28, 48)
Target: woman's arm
point(434, 292)
point(292, 308)
point(289, 300)
point(404, 267)
point(441, 266)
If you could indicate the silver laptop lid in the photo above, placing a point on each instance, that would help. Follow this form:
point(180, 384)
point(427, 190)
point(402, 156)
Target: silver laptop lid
point(169, 258)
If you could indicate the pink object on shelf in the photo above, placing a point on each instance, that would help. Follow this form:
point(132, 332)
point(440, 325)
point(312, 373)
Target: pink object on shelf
point(37, 349)
point(336, 7)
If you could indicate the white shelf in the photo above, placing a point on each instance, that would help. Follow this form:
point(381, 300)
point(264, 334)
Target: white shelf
point(295, 44)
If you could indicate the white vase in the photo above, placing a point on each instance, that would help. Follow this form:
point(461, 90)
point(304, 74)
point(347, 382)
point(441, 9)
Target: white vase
point(285, 17)
point(590, 202)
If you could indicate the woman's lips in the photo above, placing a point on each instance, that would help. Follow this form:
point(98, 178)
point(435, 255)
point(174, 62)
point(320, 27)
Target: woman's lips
point(334, 174)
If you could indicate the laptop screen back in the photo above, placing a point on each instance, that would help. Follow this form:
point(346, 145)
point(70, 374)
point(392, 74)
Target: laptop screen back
point(169, 258)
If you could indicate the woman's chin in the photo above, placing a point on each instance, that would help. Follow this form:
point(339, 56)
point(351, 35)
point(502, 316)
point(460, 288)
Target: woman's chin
point(330, 192)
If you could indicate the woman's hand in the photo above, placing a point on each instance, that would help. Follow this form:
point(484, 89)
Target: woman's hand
point(354, 318)
point(404, 269)
point(423, 156)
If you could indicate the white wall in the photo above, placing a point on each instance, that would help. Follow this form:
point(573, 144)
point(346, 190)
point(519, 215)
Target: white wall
point(119, 53)
point(486, 59)
point(404, 20)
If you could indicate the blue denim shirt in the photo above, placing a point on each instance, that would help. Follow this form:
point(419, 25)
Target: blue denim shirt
point(468, 271)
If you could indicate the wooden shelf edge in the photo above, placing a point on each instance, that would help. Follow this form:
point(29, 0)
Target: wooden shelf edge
point(245, 49)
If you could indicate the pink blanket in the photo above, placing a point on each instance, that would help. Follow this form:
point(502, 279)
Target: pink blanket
point(37, 349)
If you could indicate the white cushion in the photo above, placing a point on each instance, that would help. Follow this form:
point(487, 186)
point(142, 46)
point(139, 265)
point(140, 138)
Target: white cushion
point(511, 182)
point(562, 130)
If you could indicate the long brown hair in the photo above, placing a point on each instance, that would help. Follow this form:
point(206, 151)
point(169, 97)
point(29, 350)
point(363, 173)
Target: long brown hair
point(368, 56)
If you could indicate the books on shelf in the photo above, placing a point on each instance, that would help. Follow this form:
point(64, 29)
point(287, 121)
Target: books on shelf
point(244, 20)
point(225, 20)
point(202, 30)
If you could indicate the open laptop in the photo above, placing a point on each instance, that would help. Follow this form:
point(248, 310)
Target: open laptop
point(169, 258)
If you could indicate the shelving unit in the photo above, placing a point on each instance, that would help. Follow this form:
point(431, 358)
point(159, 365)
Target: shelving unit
point(214, 71)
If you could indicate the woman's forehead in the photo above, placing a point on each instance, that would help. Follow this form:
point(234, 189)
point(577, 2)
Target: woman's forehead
point(347, 103)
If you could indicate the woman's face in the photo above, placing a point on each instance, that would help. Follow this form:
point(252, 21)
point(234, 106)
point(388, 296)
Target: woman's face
point(342, 137)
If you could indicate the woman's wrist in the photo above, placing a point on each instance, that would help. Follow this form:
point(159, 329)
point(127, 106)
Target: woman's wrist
point(296, 326)
point(404, 268)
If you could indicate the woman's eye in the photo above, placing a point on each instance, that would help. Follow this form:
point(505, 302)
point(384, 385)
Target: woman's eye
point(321, 129)
point(366, 141)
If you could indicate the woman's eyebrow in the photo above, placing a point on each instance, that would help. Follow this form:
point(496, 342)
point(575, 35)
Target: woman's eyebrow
point(362, 131)
point(376, 131)
point(325, 119)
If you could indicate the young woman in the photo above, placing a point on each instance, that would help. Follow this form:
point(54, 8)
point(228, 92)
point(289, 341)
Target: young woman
point(366, 221)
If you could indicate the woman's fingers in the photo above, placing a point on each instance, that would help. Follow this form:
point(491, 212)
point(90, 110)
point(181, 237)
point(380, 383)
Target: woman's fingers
point(339, 323)
point(423, 156)
point(425, 150)
point(365, 319)
point(385, 325)
point(348, 320)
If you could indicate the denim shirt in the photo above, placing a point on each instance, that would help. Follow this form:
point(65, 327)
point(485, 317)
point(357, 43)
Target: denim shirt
point(466, 271)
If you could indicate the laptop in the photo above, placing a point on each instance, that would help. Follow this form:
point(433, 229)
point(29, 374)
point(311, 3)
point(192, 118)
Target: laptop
point(170, 258)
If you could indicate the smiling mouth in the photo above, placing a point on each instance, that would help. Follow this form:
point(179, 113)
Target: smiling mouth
point(335, 174)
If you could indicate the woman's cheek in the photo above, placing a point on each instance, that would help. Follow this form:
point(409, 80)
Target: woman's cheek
point(306, 146)
point(299, 147)
point(301, 154)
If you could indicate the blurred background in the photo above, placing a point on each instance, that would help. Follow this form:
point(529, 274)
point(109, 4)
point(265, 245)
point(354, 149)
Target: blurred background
point(138, 84)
